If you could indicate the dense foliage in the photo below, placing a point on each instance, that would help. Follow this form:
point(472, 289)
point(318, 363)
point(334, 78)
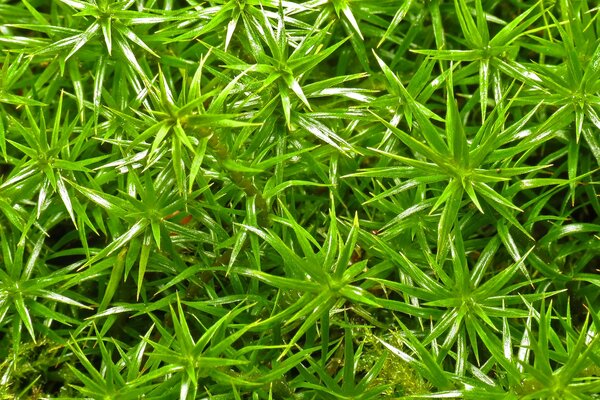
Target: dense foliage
point(324, 199)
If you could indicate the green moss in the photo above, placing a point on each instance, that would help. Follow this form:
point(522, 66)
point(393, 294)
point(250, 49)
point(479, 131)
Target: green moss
point(299, 199)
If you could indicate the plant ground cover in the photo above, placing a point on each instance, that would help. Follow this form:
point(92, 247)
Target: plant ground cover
point(324, 199)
